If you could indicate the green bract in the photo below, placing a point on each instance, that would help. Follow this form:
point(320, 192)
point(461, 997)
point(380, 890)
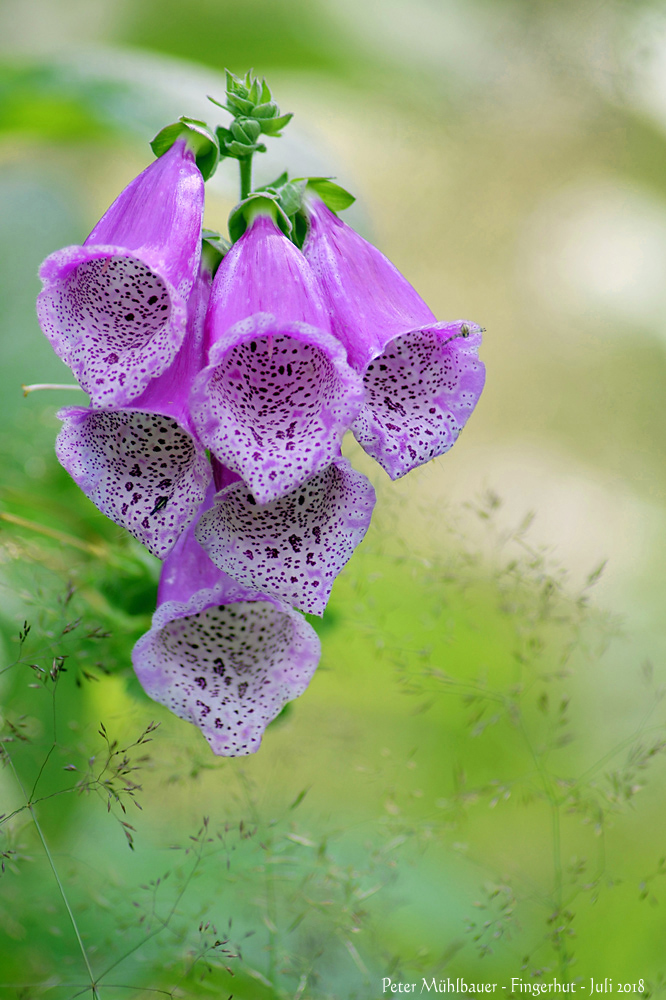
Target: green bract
point(289, 194)
point(273, 125)
point(290, 197)
point(237, 143)
point(245, 210)
point(200, 137)
point(333, 196)
point(214, 247)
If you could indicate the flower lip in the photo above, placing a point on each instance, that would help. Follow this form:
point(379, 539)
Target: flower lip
point(143, 465)
point(114, 321)
point(228, 667)
point(294, 547)
point(219, 655)
point(420, 392)
point(142, 469)
point(274, 402)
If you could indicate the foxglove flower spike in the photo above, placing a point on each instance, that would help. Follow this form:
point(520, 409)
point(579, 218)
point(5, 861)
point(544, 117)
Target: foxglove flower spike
point(220, 656)
point(422, 378)
point(115, 308)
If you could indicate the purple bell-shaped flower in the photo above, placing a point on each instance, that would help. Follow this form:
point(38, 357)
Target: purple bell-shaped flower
point(143, 465)
point(422, 378)
point(115, 309)
point(277, 394)
point(221, 656)
point(295, 546)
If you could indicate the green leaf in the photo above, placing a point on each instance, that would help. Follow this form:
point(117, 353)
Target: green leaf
point(215, 246)
point(273, 126)
point(240, 106)
point(229, 146)
point(236, 84)
point(212, 236)
point(165, 139)
point(299, 798)
point(298, 235)
point(333, 196)
point(268, 110)
point(290, 196)
point(240, 149)
point(277, 183)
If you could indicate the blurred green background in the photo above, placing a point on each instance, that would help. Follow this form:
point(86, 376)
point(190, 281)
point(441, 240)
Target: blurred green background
point(472, 785)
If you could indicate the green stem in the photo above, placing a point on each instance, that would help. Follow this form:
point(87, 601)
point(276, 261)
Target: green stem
point(563, 952)
point(51, 748)
point(558, 881)
point(271, 907)
point(163, 921)
point(95, 993)
point(245, 166)
point(272, 916)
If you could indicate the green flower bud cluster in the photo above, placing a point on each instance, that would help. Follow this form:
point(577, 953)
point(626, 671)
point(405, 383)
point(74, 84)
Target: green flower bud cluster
point(255, 113)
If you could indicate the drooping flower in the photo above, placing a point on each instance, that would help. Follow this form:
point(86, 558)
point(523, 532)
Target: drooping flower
point(115, 309)
point(143, 465)
point(221, 656)
point(295, 546)
point(277, 394)
point(422, 378)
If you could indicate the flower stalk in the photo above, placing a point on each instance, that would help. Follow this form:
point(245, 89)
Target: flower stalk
point(245, 167)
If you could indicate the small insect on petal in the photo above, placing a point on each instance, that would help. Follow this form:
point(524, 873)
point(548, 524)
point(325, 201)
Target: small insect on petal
point(159, 505)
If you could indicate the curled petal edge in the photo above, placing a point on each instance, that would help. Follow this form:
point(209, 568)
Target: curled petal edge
point(298, 664)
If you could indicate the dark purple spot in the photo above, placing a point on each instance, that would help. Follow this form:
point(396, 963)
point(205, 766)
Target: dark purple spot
point(296, 542)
